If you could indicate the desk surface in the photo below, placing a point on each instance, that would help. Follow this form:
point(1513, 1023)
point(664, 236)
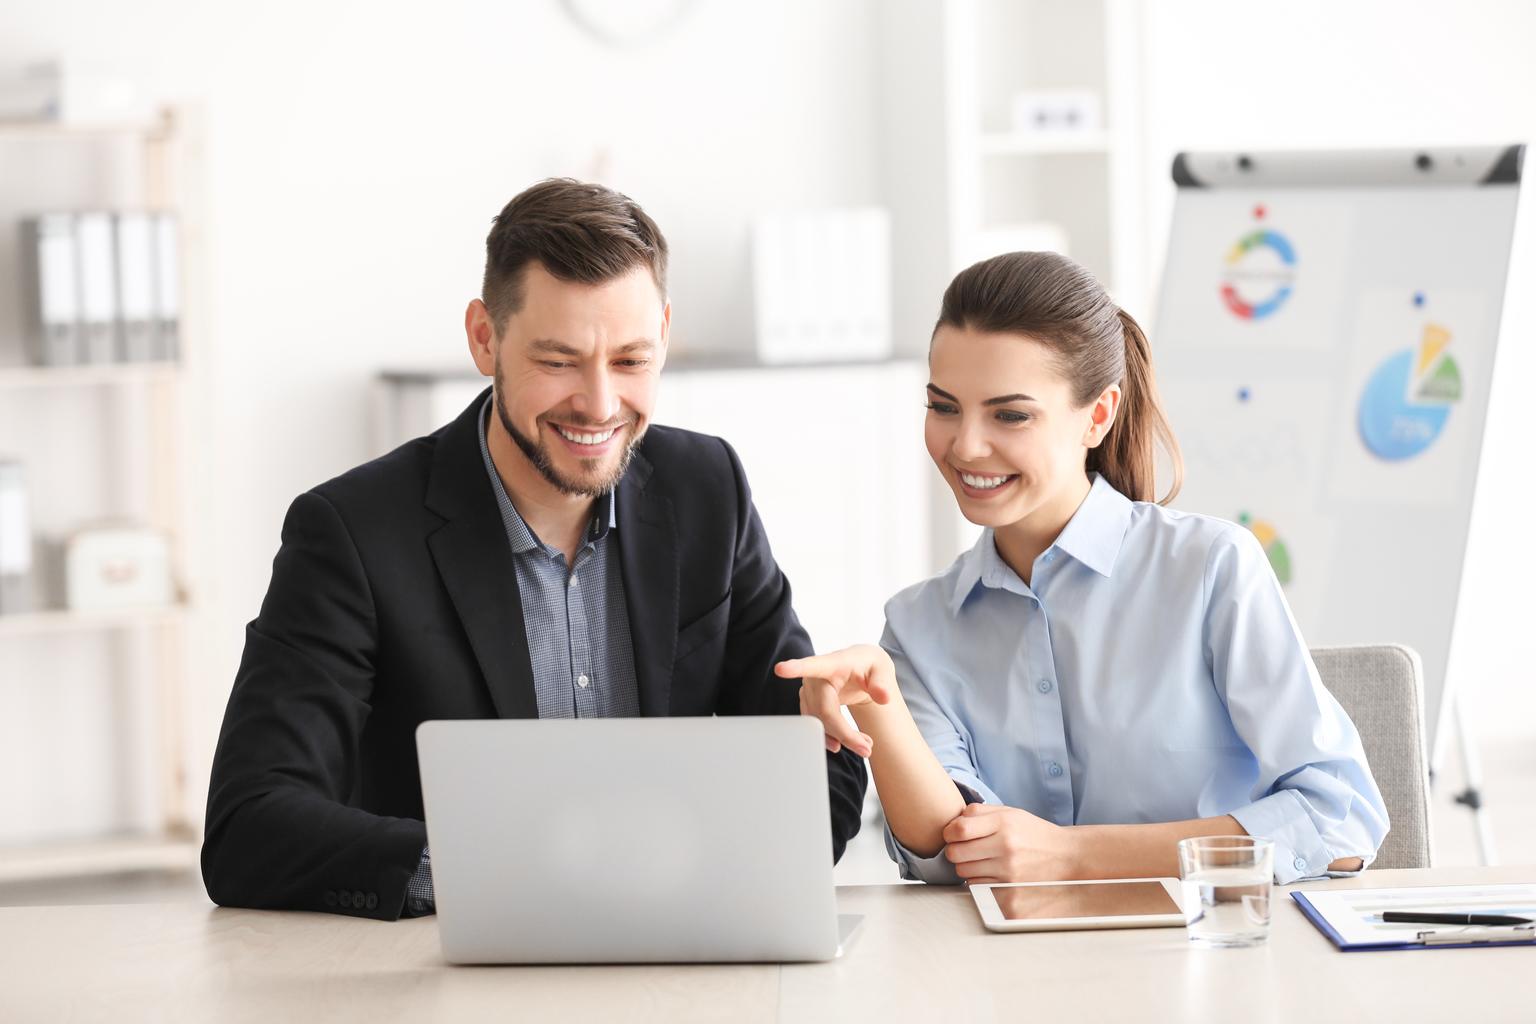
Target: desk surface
point(921, 954)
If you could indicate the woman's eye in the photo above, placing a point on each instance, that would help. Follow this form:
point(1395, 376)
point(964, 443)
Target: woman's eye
point(1006, 416)
point(942, 408)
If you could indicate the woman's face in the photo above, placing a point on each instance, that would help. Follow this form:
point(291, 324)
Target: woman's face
point(1003, 429)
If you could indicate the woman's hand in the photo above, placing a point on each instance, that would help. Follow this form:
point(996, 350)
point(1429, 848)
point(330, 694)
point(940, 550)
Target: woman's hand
point(853, 676)
point(991, 843)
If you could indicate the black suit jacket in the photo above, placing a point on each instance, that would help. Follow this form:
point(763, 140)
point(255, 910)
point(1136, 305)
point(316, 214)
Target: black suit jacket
point(394, 601)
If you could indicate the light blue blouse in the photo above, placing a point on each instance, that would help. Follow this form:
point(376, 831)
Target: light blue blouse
point(1151, 672)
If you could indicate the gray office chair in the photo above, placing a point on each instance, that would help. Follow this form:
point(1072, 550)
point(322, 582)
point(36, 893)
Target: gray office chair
point(1381, 688)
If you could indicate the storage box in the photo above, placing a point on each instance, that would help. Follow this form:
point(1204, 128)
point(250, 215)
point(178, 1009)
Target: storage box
point(107, 567)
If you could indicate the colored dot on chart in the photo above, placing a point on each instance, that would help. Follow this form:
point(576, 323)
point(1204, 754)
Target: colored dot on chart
point(1418, 298)
point(1259, 211)
point(1243, 394)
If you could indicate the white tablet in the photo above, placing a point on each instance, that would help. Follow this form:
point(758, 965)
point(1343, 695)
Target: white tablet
point(1056, 906)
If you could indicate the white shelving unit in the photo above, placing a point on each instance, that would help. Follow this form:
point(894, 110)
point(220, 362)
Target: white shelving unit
point(1003, 176)
point(95, 742)
point(965, 182)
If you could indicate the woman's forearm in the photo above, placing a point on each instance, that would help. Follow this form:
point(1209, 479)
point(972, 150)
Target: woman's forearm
point(1142, 851)
point(1138, 851)
point(918, 797)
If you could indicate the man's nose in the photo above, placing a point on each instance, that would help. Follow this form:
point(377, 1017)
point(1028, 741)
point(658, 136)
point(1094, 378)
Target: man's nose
point(596, 399)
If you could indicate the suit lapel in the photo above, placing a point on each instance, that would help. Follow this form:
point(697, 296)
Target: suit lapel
point(474, 560)
point(648, 555)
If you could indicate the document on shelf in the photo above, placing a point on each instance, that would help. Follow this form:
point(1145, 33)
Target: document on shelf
point(1355, 914)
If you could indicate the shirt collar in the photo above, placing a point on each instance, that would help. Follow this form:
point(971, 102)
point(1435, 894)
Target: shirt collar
point(1097, 529)
point(1092, 536)
point(605, 512)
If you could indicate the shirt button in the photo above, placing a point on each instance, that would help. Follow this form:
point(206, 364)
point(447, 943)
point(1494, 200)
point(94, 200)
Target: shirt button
point(1044, 685)
point(573, 580)
point(1054, 769)
point(1301, 863)
point(582, 681)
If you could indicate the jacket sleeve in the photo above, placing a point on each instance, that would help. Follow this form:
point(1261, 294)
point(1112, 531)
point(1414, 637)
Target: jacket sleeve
point(282, 828)
point(764, 630)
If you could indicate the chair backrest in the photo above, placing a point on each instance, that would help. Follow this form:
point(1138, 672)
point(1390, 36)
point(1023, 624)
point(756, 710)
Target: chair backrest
point(1381, 688)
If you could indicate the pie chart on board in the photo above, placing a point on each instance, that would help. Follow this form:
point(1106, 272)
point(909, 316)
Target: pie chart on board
point(1408, 400)
point(1274, 548)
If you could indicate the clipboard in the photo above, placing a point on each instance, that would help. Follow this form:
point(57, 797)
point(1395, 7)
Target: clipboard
point(1345, 917)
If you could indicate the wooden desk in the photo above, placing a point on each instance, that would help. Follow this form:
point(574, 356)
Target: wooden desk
point(921, 955)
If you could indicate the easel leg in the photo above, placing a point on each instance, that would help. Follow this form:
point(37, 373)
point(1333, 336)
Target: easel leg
point(1472, 796)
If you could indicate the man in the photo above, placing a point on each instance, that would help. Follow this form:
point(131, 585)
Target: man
point(548, 553)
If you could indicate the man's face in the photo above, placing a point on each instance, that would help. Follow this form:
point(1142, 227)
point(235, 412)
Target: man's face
point(576, 371)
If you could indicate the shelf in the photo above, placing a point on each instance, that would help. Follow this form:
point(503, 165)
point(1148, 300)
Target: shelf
point(87, 375)
point(108, 855)
point(59, 620)
point(1029, 143)
point(82, 130)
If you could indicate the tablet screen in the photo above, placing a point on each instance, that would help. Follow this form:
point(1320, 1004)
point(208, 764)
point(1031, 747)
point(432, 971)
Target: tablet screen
point(1089, 899)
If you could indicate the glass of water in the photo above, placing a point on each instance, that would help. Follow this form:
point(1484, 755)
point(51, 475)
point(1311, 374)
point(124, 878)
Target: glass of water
point(1226, 882)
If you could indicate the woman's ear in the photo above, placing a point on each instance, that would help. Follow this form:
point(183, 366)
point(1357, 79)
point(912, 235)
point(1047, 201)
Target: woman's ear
point(1101, 415)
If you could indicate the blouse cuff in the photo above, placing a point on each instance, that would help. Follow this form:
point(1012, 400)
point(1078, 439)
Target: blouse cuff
point(1299, 849)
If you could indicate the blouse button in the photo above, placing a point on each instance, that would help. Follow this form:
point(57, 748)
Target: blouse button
point(1044, 685)
point(1054, 770)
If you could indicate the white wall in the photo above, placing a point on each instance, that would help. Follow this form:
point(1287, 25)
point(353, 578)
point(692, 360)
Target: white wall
point(1312, 74)
point(357, 151)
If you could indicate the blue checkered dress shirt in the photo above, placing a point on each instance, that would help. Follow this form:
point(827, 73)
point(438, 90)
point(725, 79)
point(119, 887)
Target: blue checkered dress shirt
point(576, 623)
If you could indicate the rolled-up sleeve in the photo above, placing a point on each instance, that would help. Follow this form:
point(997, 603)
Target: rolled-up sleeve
point(949, 746)
point(1314, 795)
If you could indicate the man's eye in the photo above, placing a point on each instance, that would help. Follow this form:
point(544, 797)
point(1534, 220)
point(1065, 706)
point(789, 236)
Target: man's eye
point(633, 363)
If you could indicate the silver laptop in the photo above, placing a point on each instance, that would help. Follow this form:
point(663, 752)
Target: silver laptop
point(630, 840)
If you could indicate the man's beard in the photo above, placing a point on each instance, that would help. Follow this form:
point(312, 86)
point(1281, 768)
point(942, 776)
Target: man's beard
point(538, 454)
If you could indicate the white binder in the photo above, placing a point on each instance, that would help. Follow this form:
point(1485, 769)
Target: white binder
point(98, 288)
point(15, 540)
point(168, 286)
point(136, 294)
point(54, 289)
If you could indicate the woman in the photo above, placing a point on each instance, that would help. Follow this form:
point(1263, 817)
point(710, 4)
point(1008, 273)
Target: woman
point(1100, 676)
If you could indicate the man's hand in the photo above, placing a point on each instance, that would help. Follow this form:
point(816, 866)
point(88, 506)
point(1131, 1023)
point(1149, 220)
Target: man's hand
point(991, 843)
point(852, 676)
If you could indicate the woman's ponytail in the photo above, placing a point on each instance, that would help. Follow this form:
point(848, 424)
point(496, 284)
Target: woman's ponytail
point(1127, 457)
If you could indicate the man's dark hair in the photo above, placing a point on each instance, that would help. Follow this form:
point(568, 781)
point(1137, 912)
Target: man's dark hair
point(577, 231)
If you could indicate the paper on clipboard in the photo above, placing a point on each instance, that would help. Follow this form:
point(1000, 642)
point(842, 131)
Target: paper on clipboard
point(1354, 915)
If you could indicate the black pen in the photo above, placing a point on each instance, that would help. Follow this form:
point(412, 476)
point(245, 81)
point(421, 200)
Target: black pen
point(1414, 917)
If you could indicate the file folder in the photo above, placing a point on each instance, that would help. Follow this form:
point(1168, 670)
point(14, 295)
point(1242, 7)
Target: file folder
point(136, 297)
point(15, 540)
point(1350, 918)
point(98, 288)
point(54, 294)
point(167, 286)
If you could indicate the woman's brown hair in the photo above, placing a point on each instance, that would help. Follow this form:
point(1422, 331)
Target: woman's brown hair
point(1095, 343)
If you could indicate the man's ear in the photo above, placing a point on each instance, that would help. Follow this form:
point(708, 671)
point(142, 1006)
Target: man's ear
point(480, 330)
point(1101, 415)
point(666, 334)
